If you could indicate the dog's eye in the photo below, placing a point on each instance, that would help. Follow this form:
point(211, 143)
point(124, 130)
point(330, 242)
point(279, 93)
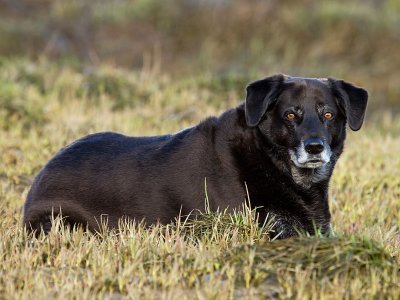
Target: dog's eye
point(291, 116)
point(328, 115)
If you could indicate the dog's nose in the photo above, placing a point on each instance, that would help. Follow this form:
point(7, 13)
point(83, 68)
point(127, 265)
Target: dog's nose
point(314, 145)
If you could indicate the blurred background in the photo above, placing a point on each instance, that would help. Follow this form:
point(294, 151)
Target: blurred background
point(220, 44)
point(69, 68)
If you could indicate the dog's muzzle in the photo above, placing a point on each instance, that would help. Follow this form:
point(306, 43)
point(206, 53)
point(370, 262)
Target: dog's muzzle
point(312, 153)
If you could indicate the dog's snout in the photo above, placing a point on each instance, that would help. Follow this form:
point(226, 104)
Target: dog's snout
point(314, 145)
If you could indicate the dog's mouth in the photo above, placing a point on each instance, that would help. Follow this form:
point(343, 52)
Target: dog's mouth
point(302, 159)
point(312, 164)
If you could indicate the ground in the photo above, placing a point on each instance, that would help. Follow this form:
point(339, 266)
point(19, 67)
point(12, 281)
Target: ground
point(44, 106)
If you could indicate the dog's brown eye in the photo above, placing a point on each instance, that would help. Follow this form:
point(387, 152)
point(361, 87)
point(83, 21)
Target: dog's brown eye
point(328, 115)
point(291, 116)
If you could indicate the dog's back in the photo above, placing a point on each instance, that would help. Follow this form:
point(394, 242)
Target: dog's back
point(101, 171)
point(106, 176)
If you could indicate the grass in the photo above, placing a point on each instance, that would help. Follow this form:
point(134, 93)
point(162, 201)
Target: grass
point(44, 106)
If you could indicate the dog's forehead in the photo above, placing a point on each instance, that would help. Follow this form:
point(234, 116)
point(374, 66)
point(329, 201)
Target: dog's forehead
point(299, 89)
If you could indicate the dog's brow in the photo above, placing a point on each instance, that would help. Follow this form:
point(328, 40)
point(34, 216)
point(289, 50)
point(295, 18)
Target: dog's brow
point(298, 90)
point(318, 92)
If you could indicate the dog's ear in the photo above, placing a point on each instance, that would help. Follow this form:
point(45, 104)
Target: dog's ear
point(352, 101)
point(259, 95)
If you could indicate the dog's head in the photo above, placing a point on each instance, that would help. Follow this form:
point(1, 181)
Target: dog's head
point(307, 116)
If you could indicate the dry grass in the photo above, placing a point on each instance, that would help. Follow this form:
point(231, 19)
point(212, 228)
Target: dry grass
point(44, 107)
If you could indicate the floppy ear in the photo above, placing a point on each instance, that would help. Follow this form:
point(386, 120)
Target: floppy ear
point(352, 100)
point(259, 95)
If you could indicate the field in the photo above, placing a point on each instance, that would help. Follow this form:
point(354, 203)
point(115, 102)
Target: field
point(217, 256)
point(71, 68)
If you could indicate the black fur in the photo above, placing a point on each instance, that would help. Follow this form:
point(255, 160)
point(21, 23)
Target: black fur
point(109, 175)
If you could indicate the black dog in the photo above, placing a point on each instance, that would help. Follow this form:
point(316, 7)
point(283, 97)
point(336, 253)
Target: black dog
point(283, 143)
